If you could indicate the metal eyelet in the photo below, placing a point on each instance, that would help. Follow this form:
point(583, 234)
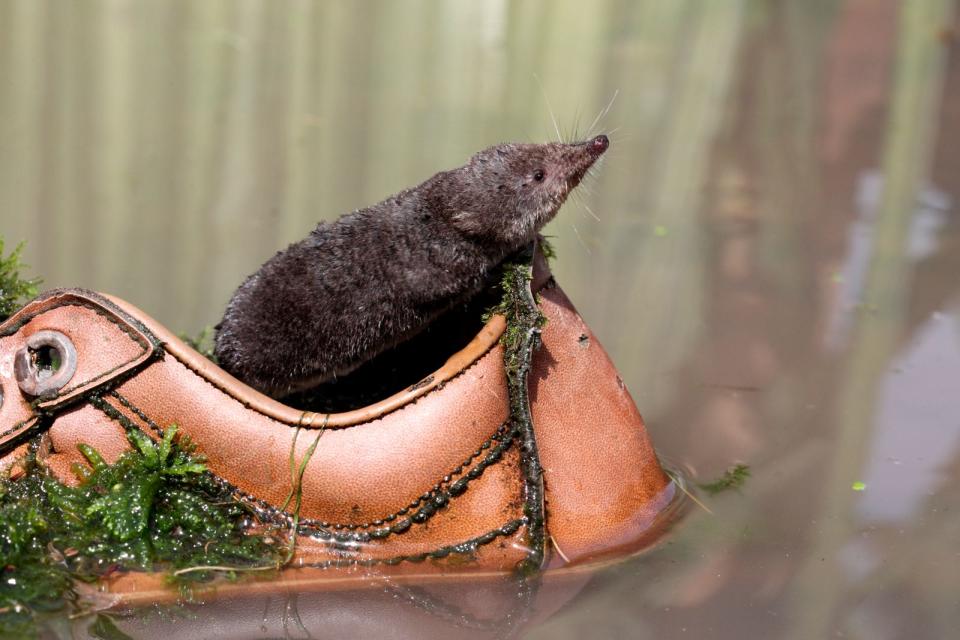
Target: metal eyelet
point(45, 364)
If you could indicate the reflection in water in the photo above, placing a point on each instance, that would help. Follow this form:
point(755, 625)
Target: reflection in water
point(915, 435)
point(772, 262)
point(926, 221)
point(376, 607)
point(380, 608)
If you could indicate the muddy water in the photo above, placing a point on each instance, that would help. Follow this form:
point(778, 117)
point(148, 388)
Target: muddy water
point(771, 251)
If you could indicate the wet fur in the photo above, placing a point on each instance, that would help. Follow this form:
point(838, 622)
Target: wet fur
point(358, 286)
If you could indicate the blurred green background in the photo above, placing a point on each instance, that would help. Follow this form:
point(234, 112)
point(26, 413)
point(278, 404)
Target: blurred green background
point(160, 150)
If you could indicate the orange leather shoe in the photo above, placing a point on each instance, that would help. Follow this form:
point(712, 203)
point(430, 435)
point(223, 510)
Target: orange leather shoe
point(435, 472)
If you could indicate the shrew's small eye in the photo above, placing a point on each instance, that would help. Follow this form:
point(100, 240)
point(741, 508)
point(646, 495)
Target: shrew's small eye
point(538, 175)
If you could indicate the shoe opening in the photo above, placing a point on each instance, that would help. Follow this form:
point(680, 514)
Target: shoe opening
point(402, 366)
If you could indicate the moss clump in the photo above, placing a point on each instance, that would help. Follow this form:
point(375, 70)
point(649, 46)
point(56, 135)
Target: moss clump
point(203, 343)
point(521, 311)
point(14, 288)
point(155, 508)
point(546, 248)
point(733, 478)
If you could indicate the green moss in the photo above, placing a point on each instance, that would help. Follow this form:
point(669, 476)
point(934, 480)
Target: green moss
point(156, 508)
point(733, 478)
point(522, 317)
point(203, 343)
point(14, 288)
point(520, 340)
point(546, 248)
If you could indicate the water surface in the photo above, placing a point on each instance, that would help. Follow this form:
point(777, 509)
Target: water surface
point(770, 252)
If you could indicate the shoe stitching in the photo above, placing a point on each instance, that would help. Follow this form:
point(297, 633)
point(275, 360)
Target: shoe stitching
point(467, 547)
point(412, 401)
point(124, 321)
point(112, 317)
point(436, 498)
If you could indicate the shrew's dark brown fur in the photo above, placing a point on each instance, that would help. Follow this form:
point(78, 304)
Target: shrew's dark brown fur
point(358, 286)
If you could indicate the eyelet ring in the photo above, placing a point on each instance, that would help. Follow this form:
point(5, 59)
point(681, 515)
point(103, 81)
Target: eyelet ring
point(45, 364)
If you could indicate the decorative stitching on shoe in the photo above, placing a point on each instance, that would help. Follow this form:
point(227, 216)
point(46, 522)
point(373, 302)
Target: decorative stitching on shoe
point(466, 547)
point(136, 411)
point(110, 313)
point(412, 401)
point(122, 319)
point(18, 426)
point(11, 438)
point(433, 500)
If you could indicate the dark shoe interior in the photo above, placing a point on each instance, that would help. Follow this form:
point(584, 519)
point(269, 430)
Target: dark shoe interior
point(402, 366)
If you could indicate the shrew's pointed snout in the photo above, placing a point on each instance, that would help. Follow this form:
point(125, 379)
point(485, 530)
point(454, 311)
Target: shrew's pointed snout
point(580, 156)
point(600, 143)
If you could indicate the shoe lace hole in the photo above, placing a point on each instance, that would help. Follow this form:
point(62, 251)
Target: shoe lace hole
point(45, 364)
point(47, 361)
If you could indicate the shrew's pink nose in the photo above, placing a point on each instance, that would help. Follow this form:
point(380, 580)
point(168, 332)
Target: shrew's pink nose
point(600, 143)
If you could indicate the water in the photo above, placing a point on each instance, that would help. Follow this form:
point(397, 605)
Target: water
point(770, 252)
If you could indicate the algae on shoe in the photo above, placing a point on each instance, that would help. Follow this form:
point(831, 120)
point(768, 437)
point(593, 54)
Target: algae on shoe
point(14, 288)
point(156, 508)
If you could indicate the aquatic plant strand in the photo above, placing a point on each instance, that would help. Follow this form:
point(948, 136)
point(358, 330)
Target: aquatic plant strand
point(520, 341)
point(296, 488)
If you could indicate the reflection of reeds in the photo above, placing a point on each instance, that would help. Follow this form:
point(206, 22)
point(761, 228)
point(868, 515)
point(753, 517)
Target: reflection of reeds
point(907, 151)
point(21, 51)
point(116, 118)
point(203, 136)
point(658, 283)
point(202, 153)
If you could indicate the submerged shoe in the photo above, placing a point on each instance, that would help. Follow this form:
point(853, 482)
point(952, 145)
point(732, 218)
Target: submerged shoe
point(435, 472)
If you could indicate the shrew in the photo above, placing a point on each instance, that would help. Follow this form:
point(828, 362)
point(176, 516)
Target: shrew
point(377, 276)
